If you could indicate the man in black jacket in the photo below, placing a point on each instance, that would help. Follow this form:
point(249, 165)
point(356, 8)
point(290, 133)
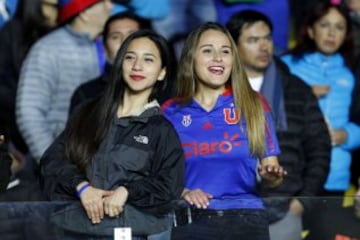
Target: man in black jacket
point(301, 130)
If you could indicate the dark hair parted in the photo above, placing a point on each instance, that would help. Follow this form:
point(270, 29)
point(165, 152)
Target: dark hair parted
point(308, 45)
point(90, 124)
point(245, 19)
point(246, 100)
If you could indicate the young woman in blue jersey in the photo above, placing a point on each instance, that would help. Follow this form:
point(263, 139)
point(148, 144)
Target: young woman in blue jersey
point(119, 151)
point(227, 133)
point(323, 59)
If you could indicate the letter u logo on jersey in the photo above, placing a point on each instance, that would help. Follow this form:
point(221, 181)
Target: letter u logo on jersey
point(231, 115)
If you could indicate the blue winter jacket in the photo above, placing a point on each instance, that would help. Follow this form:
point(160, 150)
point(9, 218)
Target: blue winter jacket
point(318, 69)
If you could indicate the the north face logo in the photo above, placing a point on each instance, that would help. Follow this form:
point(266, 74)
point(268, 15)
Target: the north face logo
point(142, 139)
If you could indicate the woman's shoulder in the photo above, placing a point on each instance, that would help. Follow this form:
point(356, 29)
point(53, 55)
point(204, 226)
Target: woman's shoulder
point(173, 105)
point(160, 126)
point(168, 105)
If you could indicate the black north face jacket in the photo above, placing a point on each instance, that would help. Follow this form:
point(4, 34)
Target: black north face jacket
point(142, 153)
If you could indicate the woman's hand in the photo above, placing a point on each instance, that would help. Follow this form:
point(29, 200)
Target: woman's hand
point(320, 90)
point(338, 137)
point(113, 205)
point(92, 201)
point(197, 197)
point(271, 171)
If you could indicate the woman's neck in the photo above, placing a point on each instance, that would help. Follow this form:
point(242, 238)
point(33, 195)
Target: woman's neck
point(132, 105)
point(207, 98)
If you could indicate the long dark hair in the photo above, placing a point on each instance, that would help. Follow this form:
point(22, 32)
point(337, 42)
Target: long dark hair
point(88, 127)
point(307, 45)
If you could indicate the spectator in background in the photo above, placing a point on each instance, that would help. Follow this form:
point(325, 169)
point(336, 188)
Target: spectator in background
point(33, 19)
point(151, 10)
point(354, 8)
point(277, 10)
point(225, 151)
point(119, 155)
point(5, 164)
point(183, 16)
point(300, 127)
point(323, 59)
point(7, 10)
point(117, 28)
point(55, 66)
point(355, 116)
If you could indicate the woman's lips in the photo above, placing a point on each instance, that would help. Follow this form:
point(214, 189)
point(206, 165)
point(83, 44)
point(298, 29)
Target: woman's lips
point(136, 77)
point(329, 43)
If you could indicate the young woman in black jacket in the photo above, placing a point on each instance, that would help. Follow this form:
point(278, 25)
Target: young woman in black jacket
point(118, 152)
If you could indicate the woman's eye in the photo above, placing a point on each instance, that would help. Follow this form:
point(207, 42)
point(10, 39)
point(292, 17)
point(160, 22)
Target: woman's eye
point(226, 51)
point(207, 51)
point(149, 60)
point(252, 40)
point(129, 57)
point(324, 25)
point(340, 27)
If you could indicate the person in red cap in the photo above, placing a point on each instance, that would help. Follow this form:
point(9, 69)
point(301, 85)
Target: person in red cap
point(55, 66)
point(71, 8)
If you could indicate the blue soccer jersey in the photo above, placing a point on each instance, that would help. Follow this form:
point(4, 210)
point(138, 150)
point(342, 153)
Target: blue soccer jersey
point(216, 147)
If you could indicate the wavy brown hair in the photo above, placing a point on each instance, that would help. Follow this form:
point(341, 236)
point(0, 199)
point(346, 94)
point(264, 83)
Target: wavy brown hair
point(246, 99)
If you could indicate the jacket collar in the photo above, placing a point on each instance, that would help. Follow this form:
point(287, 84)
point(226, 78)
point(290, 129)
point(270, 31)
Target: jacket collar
point(319, 59)
point(150, 109)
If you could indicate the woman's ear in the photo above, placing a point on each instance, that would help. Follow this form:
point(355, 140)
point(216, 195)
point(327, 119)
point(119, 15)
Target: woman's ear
point(162, 74)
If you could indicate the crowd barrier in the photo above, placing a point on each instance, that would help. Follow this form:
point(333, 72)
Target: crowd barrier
point(33, 220)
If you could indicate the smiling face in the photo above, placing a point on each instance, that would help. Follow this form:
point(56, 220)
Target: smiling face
point(255, 47)
point(329, 32)
point(213, 60)
point(142, 66)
